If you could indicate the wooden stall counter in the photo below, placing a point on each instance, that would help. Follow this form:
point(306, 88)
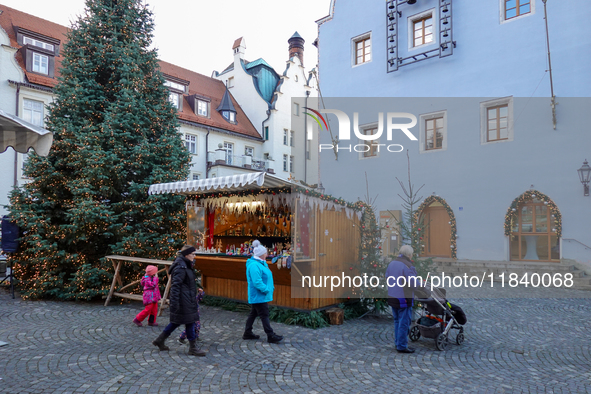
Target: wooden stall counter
point(225, 276)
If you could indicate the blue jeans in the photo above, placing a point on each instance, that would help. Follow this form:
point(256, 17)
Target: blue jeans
point(189, 328)
point(402, 318)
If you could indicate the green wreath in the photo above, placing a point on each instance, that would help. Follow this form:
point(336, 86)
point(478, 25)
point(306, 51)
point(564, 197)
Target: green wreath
point(430, 200)
point(528, 196)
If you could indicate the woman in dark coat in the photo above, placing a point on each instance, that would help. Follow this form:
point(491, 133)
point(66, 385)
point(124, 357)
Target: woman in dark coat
point(183, 300)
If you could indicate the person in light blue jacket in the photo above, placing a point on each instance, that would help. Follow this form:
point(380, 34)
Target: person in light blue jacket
point(260, 293)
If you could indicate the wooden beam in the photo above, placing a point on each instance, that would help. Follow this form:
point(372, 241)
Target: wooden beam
point(113, 284)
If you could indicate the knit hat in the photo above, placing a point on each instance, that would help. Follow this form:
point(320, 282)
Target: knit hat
point(187, 251)
point(259, 249)
point(151, 270)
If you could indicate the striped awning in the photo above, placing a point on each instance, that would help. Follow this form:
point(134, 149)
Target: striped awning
point(22, 135)
point(255, 180)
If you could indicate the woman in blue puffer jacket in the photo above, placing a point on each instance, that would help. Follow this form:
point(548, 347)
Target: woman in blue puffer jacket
point(260, 293)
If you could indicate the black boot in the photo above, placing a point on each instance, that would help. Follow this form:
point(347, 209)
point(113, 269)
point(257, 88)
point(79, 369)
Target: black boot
point(274, 338)
point(152, 321)
point(160, 341)
point(193, 351)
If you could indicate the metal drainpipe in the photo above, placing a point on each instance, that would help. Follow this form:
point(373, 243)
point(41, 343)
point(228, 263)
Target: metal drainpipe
point(305, 139)
point(263, 126)
point(206, 152)
point(18, 89)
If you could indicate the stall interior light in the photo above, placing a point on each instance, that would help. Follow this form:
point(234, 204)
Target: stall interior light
point(245, 204)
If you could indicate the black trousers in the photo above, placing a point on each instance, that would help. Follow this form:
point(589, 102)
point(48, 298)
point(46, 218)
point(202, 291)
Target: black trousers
point(261, 310)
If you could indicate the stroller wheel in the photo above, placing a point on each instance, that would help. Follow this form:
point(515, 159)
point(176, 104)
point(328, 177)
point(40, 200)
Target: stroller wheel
point(441, 342)
point(414, 334)
point(460, 338)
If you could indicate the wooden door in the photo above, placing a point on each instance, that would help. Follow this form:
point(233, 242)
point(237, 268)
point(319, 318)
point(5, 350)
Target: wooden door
point(437, 237)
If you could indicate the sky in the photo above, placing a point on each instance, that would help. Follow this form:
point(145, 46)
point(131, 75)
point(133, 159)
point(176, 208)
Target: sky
point(198, 35)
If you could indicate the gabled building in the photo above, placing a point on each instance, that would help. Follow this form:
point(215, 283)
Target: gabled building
point(276, 105)
point(214, 127)
point(500, 90)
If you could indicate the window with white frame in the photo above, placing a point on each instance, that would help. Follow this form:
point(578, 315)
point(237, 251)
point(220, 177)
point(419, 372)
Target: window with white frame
point(371, 148)
point(290, 163)
point(229, 148)
point(296, 109)
point(249, 151)
point(496, 120)
point(40, 63)
point(421, 29)
point(175, 99)
point(230, 116)
point(291, 138)
point(175, 85)
point(266, 136)
point(37, 43)
point(202, 108)
point(433, 131)
point(285, 137)
point(231, 82)
point(285, 163)
point(33, 112)
point(195, 176)
point(361, 49)
point(191, 143)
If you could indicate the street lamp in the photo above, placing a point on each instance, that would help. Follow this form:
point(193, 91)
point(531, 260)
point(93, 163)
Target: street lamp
point(584, 175)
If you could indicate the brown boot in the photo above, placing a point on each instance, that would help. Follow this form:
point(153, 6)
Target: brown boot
point(160, 341)
point(193, 351)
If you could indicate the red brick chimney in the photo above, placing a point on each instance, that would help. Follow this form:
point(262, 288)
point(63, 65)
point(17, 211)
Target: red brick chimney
point(296, 47)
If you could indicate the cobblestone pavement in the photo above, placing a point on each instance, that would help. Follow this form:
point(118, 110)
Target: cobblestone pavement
point(512, 345)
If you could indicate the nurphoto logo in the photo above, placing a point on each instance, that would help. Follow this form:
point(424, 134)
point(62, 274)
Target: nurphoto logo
point(392, 120)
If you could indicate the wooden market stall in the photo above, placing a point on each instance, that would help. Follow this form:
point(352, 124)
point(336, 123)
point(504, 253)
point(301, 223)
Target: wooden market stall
point(319, 234)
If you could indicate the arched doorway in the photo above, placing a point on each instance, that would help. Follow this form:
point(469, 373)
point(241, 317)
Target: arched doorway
point(533, 224)
point(439, 234)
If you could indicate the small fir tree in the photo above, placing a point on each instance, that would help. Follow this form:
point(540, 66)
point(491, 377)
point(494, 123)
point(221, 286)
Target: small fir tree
point(372, 262)
point(412, 226)
point(115, 133)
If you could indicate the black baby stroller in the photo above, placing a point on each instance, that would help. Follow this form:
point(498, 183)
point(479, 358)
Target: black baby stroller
point(437, 318)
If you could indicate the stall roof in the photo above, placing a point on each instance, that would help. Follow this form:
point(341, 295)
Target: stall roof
point(22, 135)
point(232, 183)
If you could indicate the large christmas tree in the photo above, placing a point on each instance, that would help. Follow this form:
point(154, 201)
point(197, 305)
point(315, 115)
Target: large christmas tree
point(115, 133)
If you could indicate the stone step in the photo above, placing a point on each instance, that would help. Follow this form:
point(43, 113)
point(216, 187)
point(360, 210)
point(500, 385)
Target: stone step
point(498, 270)
point(558, 267)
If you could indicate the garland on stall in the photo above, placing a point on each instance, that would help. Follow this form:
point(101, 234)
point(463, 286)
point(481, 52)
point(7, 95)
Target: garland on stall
point(529, 196)
point(452, 220)
point(357, 206)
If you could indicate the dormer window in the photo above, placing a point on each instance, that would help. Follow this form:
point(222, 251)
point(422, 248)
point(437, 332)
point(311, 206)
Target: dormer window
point(176, 87)
point(226, 108)
point(175, 99)
point(40, 63)
point(38, 51)
point(202, 108)
point(37, 43)
point(230, 116)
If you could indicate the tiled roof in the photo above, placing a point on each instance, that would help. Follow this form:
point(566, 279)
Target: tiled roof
point(237, 43)
point(214, 89)
point(10, 19)
point(199, 84)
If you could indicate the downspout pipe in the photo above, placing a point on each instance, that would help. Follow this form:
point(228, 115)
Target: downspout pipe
point(263, 125)
point(306, 153)
point(18, 90)
point(206, 153)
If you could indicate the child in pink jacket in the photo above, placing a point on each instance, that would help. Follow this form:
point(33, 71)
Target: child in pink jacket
point(151, 297)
